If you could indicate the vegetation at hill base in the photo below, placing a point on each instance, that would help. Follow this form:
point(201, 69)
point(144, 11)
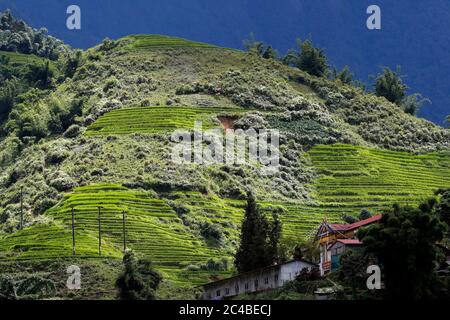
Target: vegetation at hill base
point(89, 129)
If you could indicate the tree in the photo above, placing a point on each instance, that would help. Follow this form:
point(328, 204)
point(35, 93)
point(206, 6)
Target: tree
point(345, 76)
point(312, 60)
point(6, 69)
point(270, 53)
point(309, 58)
point(259, 48)
point(349, 219)
point(40, 75)
point(251, 43)
point(274, 237)
point(365, 214)
point(352, 270)
point(259, 239)
point(404, 242)
point(412, 103)
point(306, 250)
point(291, 58)
point(72, 62)
point(443, 207)
point(389, 84)
point(138, 281)
point(8, 94)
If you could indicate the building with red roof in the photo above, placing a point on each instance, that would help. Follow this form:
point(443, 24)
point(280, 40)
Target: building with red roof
point(335, 239)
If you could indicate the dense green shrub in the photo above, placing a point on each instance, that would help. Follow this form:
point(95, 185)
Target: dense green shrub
point(215, 265)
point(212, 232)
point(63, 113)
point(56, 156)
point(35, 287)
point(7, 290)
point(62, 182)
point(73, 131)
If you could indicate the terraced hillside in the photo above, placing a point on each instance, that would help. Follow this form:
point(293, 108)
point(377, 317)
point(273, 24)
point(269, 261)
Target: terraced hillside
point(157, 119)
point(353, 177)
point(99, 135)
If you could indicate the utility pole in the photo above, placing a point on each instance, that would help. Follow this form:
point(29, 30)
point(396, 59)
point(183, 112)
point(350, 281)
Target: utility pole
point(99, 232)
point(124, 232)
point(21, 207)
point(73, 231)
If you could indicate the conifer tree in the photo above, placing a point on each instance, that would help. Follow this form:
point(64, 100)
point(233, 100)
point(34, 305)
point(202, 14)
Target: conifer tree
point(259, 239)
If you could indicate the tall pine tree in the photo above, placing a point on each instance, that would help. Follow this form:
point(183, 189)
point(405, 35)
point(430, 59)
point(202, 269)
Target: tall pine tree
point(259, 239)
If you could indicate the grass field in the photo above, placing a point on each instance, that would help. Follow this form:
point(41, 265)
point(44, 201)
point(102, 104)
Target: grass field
point(147, 42)
point(156, 119)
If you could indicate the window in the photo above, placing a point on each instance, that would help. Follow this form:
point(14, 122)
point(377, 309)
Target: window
point(237, 289)
point(256, 284)
point(246, 286)
point(276, 278)
point(218, 293)
point(266, 281)
point(227, 291)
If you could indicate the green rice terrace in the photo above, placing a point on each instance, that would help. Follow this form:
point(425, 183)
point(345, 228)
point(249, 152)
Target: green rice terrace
point(350, 178)
point(19, 59)
point(146, 42)
point(156, 119)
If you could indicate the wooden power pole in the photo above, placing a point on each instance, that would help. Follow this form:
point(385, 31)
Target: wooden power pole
point(73, 231)
point(99, 232)
point(124, 232)
point(21, 207)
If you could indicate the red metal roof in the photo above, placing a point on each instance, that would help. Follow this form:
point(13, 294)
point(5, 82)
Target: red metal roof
point(350, 242)
point(356, 225)
point(347, 242)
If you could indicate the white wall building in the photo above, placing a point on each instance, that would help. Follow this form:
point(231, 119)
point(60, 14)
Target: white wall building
point(255, 281)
